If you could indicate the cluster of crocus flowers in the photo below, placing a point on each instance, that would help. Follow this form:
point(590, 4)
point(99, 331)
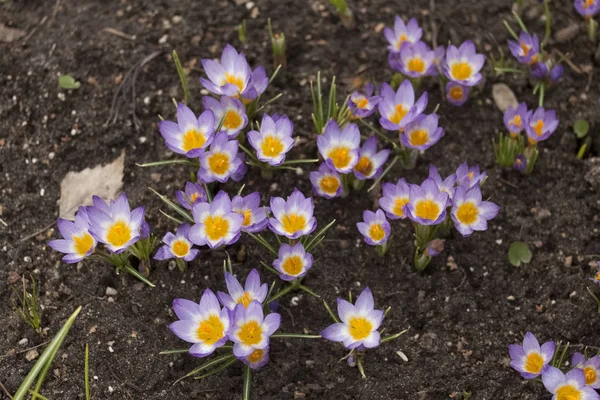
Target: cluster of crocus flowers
point(588, 9)
point(432, 207)
point(514, 150)
point(527, 51)
point(462, 66)
point(532, 361)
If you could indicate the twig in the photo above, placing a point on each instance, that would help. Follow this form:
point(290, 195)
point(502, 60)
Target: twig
point(3, 223)
point(34, 234)
point(34, 30)
point(118, 33)
point(5, 391)
point(568, 61)
point(25, 351)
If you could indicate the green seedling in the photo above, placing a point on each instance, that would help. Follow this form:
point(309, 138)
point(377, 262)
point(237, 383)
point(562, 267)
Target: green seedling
point(68, 82)
point(26, 306)
point(518, 253)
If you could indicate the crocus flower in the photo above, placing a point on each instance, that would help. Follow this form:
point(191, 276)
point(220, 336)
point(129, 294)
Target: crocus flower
point(359, 323)
point(257, 359)
point(375, 227)
point(339, 147)
point(434, 248)
point(587, 8)
point(539, 70)
point(362, 104)
point(252, 291)
point(469, 177)
point(205, 324)
point(326, 182)
point(568, 386)
point(520, 162)
point(427, 205)
point(221, 161)
point(77, 242)
point(274, 139)
point(258, 84)
point(422, 132)
point(395, 197)
point(541, 125)
point(190, 135)
point(293, 262)
point(445, 185)
point(293, 218)
point(456, 94)
point(255, 215)
point(515, 119)
point(177, 245)
point(462, 65)
point(230, 77)
point(531, 359)
point(229, 111)
point(414, 60)
point(590, 367)
point(370, 163)
point(399, 108)
point(116, 225)
point(527, 49)
point(193, 193)
point(469, 212)
point(402, 33)
point(556, 73)
point(216, 222)
point(438, 56)
point(251, 329)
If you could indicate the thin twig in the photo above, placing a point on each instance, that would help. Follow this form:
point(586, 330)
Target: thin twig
point(6, 392)
point(118, 33)
point(34, 234)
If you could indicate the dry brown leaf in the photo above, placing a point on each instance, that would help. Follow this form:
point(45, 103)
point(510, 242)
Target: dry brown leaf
point(77, 188)
point(10, 34)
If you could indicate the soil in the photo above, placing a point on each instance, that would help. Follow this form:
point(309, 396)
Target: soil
point(462, 312)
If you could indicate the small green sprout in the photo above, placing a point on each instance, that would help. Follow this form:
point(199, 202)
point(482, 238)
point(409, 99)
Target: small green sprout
point(242, 33)
point(581, 128)
point(182, 77)
point(27, 306)
point(518, 253)
point(344, 12)
point(278, 47)
point(320, 116)
point(68, 82)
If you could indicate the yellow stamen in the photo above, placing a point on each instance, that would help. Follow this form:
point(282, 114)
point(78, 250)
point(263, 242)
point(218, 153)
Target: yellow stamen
point(524, 48)
point(539, 127)
point(194, 196)
point(590, 375)
point(247, 217)
point(232, 120)
point(340, 156)
point(364, 166)
point(418, 137)
point(250, 333)
point(256, 356)
point(588, 3)
point(416, 65)
point(234, 80)
point(362, 103)
point(245, 299)
point(516, 121)
point(118, 234)
point(534, 363)
point(399, 203)
point(83, 243)
point(427, 209)
point(219, 163)
point(360, 328)
point(216, 227)
point(292, 265)
point(293, 223)
point(467, 213)
point(271, 146)
point(376, 232)
point(567, 392)
point(329, 184)
point(193, 139)
point(461, 70)
point(456, 93)
point(211, 330)
point(401, 40)
point(180, 248)
point(399, 114)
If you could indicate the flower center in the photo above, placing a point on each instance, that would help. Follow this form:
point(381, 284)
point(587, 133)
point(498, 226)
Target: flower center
point(292, 265)
point(245, 299)
point(516, 121)
point(359, 328)
point(597, 277)
point(376, 232)
point(210, 330)
point(364, 166)
point(193, 140)
point(216, 227)
point(232, 119)
point(293, 223)
point(234, 80)
point(83, 243)
point(250, 333)
point(401, 40)
point(219, 163)
point(271, 146)
point(118, 234)
point(534, 364)
point(180, 248)
point(568, 392)
point(194, 196)
point(399, 114)
point(456, 93)
point(416, 65)
point(399, 203)
point(256, 356)
point(427, 209)
point(539, 127)
point(588, 3)
point(525, 48)
point(247, 217)
point(467, 213)
point(461, 70)
point(590, 375)
point(362, 103)
point(330, 184)
point(340, 156)
point(418, 137)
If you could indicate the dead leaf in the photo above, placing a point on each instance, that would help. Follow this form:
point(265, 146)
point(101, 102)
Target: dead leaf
point(10, 34)
point(504, 97)
point(77, 188)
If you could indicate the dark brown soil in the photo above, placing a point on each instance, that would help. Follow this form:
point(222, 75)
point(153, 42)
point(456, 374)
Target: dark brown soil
point(461, 320)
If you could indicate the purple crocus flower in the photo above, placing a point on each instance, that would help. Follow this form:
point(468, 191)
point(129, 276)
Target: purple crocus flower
point(596, 277)
point(399, 108)
point(541, 125)
point(456, 94)
point(252, 291)
point(422, 132)
point(258, 84)
point(206, 324)
point(587, 8)
point(326, 182)
point(193, 193)
point(515, 119)
point(469, 212)
point(221, 161)
point(556, 73)
point(190, 135)
point(230, 111)
point(274, 139)
point(255, 215)
point(340, 147)
point(527, 49)
point(293, 217)
point(462, 64)
point(293, 262)
point(590, 367)
point(251, 330)
point(539, 70)
point(375, 227)
point(257, 359)
point(414, 60)
point(370, 163)
point(116, 225)
point(445, 185)
point(531, 359)
point(177, 245)
point(362, 104)
point(216, 223)
point(77, 242)
point(427, 204)
point(520, 162)
point(409, 33)
point(568, 386)
point(469, 177)
point(359, 323)
point(231, 77)
point(395, 197)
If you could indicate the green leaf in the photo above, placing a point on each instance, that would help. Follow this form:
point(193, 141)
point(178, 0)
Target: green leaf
point(68, 82)
point(518, 253)
point(581, 128)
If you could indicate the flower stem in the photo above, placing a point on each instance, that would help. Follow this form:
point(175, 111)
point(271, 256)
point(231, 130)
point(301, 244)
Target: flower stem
point(247, 382)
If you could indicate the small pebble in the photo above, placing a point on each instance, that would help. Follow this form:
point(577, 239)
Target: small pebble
point(111, 291)
point(31, 355)
point(23, 342)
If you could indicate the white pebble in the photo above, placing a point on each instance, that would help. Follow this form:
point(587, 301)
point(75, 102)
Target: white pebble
point(111, 291)
point(61, 96)
point(27, 259)
point(499, 241)
point(163, 39)
point(143, 139)
point(147, 100)
point(23, 342)
point(42, 192)
point(294, 301)
point(402, 356)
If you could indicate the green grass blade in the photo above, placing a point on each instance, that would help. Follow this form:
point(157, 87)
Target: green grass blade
point(182, 77)
point(86, 372)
